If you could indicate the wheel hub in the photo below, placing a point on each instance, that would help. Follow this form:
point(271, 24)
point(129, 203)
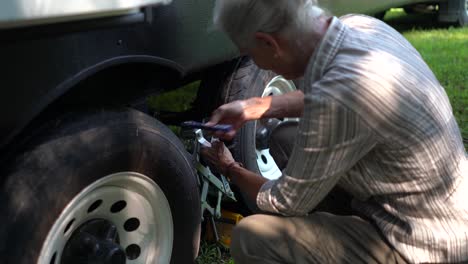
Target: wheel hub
point(96, 241)
point(264, 128)
point(263, 132)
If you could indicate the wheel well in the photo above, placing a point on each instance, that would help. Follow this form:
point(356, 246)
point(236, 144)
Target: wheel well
point(118, 85)
point(114, 86)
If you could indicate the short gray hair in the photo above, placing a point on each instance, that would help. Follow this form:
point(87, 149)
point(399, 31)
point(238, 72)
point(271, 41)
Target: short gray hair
point(240, 19)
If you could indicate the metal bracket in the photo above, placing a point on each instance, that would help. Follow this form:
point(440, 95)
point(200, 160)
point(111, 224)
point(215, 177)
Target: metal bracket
point(209, 182)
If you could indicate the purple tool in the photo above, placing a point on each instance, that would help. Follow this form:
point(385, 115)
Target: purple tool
point(215, 128)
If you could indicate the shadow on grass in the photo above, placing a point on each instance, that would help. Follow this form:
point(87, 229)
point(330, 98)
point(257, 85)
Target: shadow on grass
point(398, 19)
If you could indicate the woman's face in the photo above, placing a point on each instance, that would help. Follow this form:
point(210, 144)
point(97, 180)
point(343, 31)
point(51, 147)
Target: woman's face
point(273, 53)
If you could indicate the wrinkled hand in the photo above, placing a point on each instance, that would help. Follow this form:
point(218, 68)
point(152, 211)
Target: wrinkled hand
point(218, 157)
point(231, 114)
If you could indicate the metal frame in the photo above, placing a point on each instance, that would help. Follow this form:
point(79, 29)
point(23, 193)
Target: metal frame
point(214, 186)
point(211, 185)
point(209, 182)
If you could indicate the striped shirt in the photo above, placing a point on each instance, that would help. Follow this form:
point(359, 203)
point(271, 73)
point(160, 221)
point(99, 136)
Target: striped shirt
point(378, 123)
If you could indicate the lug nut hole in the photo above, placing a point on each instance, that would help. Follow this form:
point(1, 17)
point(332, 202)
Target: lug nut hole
point(68, 226)
point(118, 206)
point(131, 224)
point(133, 251)
point(52, 260)
point(94, 206)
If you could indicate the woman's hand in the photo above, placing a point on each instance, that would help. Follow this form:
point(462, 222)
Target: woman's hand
point(237, 113)
point(231, 114)
point(218, 157)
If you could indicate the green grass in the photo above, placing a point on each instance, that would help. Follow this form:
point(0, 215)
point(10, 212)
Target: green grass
point(211, 253)
point(177, 100)
point(445, 50)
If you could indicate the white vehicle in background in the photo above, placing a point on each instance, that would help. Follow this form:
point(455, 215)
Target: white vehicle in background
point(451, 11)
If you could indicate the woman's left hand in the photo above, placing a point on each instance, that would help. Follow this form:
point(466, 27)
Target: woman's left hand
point(218, 157)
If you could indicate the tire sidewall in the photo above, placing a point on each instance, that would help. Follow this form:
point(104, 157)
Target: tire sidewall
point(252, 85)
point(48, 176)
point(247, 81)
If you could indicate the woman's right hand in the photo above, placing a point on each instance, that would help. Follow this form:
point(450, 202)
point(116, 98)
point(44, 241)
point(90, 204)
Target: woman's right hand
point(232, 113)
point(237, 113)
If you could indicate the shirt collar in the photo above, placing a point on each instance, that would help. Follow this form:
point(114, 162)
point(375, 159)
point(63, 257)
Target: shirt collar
point(325, 52)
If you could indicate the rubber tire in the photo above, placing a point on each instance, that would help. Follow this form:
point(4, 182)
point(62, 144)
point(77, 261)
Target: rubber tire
point(462, 14)
point(380, 15)
point(246, 81)
point(78, 150)
point(409, 10)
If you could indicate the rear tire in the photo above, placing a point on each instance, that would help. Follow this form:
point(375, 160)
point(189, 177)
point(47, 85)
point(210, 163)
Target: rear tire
point(245, 82)
point(70, 162)
point(380, 15)
point(409, 10)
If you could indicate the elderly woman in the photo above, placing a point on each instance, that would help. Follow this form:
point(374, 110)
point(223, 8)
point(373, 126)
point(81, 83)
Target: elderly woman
point(374, 121)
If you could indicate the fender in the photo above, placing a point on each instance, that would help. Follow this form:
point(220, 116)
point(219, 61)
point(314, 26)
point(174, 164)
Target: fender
point(70, 85)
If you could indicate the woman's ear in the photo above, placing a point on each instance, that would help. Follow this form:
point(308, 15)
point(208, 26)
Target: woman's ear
point(269, 42)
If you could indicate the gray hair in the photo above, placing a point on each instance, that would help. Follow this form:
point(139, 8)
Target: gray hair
point(240, 19)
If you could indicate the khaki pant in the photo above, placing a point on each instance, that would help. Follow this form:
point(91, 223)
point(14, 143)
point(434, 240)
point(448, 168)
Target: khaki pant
point(320, 237)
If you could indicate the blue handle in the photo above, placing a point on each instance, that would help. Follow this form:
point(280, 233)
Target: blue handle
point(220, 127)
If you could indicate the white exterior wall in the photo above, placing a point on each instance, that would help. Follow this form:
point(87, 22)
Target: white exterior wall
point(16, 13)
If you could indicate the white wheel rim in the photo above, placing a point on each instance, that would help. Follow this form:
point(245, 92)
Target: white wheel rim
point(266, 164)
point(278, 85)
point(144, 200)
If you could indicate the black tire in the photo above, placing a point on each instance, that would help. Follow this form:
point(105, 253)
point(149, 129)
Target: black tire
point(409, 10)
point(463, 13)
point(245, 82)
point(380, 15)
point(75, 152)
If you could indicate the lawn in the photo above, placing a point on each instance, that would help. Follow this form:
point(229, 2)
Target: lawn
point(444, 48)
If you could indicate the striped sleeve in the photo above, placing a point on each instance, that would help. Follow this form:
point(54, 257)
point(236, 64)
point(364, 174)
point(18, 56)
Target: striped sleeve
point(331, 139)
